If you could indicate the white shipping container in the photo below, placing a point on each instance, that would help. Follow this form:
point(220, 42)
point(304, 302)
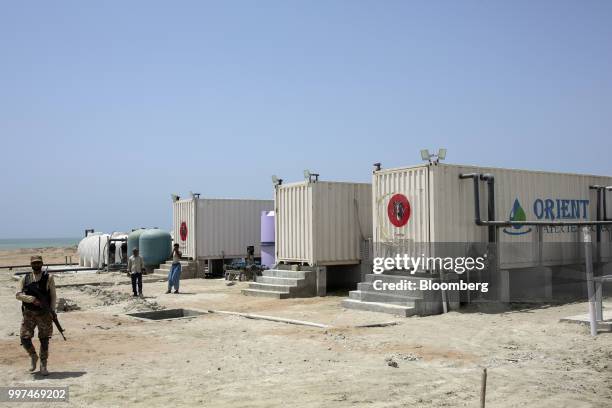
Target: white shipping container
point(208, 228)
point(440, 209)
point(321, 222)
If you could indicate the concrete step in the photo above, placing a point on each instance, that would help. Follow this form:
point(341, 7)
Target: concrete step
point(279, 273)
point(382, 297)
point(369, 287)
point(270, 288)
point(168, 266)
point(397, 278)
point(403, 311)
point(273, 280)
point(265, 293)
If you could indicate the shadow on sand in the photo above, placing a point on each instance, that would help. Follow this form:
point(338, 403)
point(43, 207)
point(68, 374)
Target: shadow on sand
point(59, 375)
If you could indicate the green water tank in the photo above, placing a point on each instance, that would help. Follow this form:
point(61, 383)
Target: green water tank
point(133, 241)
point(155, 246)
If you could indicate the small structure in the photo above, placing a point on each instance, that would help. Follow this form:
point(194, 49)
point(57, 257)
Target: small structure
point(322, 234)
point(211, 232)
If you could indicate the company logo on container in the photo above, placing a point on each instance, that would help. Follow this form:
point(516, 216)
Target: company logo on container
point(183, 231)
point(398, 210)
point(517, 214)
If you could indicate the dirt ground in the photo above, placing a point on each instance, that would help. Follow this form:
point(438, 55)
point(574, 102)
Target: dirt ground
point(50, 255)
point(111, 359)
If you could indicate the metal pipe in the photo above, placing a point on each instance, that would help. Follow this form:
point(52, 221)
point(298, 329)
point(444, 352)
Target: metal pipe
point(490, 179)
point(588, 259)
point(28, 265)
point(475, 177)
point(500, 224)
point(61, 270)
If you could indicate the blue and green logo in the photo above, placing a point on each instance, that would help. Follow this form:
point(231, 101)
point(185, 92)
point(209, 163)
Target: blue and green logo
point(517, 214)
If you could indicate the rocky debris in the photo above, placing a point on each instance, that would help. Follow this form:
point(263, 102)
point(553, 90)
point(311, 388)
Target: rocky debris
point(108, 297)
point(393, 359)
point(66, 305)
point(391, 362)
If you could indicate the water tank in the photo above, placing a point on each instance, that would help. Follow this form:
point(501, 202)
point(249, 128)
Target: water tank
point(267, 239)
point(93, 251)
point(155, 246)
point(133, 241)
point(267, 227)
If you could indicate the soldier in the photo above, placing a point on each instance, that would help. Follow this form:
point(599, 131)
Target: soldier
point(36, 291)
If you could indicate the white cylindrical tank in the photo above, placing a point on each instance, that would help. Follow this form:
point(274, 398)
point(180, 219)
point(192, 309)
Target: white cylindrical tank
point(92, 250)
point(322, 223)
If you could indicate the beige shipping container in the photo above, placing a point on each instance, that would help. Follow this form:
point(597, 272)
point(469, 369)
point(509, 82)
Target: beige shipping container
point(438, 207)
point(208, 228)
point(322, 223)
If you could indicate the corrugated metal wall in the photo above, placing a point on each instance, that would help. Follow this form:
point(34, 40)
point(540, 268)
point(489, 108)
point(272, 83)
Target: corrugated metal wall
point(226, 226)
point(342, 219)
point(183, 211)
point(411, 238)
point(455, 222)
point(293, 223)
point(442, 211)
point(322, 223)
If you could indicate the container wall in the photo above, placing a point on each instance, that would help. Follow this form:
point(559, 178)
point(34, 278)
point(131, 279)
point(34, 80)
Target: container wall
point(442, 221)
point(226, 227)
point(293, 223)
point(342, 220)
point(401, 211)
point(322, 223)
point(530, 195)
point(183, 226)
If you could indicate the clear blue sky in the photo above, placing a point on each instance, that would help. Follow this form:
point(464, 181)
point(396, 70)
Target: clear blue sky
point(108, 107)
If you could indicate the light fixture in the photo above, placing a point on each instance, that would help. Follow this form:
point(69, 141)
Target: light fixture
point(433, 158)
point(377, 166)
point(441, 154)
point(310, 176)
point(276, 181)
point(175, 197)
point(194, 195)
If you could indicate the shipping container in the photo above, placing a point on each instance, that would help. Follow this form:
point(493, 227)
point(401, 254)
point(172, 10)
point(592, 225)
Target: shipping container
point(420, 209)
point(208, 228)
point(322, 223)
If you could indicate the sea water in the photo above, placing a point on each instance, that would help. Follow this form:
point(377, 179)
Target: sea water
point(7, 244)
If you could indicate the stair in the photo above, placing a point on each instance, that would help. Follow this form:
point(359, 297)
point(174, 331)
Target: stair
point(188, 270)
point(283, 282)
point(402, 303)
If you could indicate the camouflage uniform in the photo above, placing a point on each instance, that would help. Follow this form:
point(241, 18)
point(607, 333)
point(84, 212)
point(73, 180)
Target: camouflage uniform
point(37, 287)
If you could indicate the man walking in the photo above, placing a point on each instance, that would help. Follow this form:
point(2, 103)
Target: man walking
point(36, 291)
point(174, 276)
point(135, 269)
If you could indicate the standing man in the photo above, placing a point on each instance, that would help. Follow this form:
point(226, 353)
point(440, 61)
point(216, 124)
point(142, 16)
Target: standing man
point(135, 269)
point(36, 291)
point(174, 276)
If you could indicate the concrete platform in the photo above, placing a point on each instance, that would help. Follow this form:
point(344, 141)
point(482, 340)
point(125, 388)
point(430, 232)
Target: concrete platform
point(605, 325)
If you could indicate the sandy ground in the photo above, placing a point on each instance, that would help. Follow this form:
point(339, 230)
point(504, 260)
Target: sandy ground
point(111, 359)
point(50, 255)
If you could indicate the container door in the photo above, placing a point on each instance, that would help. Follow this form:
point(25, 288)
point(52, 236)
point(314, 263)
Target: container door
point(293, 223)
point(184, 226)
point(401, 212)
